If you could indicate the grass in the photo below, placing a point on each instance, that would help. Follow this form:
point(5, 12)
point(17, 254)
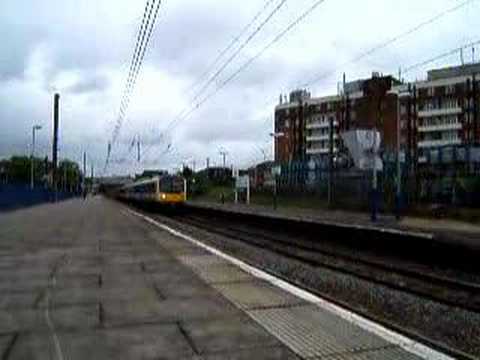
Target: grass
point(305, 201)
point(312, 202)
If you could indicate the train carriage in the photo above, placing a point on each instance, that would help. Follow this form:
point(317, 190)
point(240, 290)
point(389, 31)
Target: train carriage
point(167, 189)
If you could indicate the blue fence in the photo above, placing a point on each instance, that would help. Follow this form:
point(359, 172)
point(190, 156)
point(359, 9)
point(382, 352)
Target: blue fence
point(15, 196)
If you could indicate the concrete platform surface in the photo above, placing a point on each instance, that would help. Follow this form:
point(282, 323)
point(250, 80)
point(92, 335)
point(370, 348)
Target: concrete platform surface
point(89, 280)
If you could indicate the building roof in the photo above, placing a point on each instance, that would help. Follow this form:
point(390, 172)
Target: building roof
point(323, 99)
point(453, 71)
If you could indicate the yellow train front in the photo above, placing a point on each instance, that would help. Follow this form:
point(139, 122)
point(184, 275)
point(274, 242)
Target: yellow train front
point(163, 190)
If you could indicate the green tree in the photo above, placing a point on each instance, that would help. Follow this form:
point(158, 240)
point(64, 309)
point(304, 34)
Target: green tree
point(69, 175)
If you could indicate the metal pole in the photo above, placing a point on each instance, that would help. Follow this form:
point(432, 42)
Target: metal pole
point(185, 189)
point(65, 177)
point(32, 160)
point(84, 170)
point(275, 192)
point(374, 178)
point(91, 177)
point(56, 101)
point(399, 170)
point(330, 162)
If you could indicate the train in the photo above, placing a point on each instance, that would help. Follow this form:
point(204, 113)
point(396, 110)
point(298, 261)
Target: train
point(163, 190)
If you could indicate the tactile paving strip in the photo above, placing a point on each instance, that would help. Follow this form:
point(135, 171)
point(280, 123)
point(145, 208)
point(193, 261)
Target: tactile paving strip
point(314, 333)
point(197, 261)
point(220, 273)
point(388, 353)
point(257, 295)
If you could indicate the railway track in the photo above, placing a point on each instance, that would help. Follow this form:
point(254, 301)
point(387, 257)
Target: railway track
point(390, 273)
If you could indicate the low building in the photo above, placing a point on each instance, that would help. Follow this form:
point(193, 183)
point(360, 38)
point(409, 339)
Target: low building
point(261, 176)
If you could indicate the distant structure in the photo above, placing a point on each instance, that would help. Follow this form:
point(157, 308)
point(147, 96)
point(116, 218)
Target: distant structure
point(151, 173)
point(436, 114)
point(289, 120)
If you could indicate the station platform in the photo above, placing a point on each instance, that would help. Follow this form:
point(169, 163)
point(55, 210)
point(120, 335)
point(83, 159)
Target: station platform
point(94, 280)
point(441, 230)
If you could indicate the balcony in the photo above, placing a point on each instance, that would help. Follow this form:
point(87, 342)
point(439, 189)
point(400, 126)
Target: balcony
point(320, 125)
point(320, 150)
point(441, 127)
point(422, 159)
point(321, 137)
point(438, 143)
point(440, 112)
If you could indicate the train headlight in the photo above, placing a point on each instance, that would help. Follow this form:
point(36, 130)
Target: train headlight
point(163, 196)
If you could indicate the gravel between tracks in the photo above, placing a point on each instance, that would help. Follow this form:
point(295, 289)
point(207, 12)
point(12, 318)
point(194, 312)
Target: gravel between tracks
point(454, 327)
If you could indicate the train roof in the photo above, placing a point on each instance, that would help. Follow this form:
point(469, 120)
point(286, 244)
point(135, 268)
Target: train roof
point(149, 181)
point(141, 182)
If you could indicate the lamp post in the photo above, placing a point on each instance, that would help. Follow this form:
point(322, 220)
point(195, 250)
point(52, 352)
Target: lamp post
point(32, 161)
point(275, 135)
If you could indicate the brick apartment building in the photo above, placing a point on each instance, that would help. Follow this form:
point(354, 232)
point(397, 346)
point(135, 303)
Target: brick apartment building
point(290, 122)
point(439, 112)
point(446, 109)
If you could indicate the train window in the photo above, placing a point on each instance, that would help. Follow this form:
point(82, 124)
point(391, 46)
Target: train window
point(171, 184)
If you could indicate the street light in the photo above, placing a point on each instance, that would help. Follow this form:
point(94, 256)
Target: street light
point(34, 128)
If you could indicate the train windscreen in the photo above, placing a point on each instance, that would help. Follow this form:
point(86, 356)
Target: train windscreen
point(172, 184)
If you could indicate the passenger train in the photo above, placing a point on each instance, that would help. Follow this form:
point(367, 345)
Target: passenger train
point(167, 189)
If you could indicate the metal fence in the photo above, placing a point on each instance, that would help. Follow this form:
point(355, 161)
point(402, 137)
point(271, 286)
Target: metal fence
point(442, 177)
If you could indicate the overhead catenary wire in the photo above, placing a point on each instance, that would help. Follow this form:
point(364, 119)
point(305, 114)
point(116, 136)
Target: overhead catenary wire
point(440, 56)
point(399, 37)
point(235, 54)
point(230, 45)
point(381, 46)
point(136, 51)
point(134, 67)
point(235, 40)
point(388, 42)
point(144, 48)
point(143, 38)
point(245, 65)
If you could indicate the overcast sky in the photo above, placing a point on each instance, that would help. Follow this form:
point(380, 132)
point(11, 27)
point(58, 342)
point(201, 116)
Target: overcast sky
point(82, 49)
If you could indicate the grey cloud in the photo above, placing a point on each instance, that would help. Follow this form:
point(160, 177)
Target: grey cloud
point(17, 47)
point(89, 83)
